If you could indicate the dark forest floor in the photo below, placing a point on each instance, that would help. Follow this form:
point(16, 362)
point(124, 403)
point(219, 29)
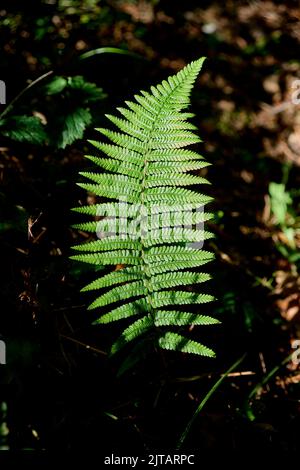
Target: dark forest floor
point(62, 390)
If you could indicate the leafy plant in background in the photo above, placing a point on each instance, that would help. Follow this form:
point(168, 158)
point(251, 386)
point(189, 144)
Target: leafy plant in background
point(74, 97)
point(60, 116)
point(282, 203)
point(4, 431)
point(146, 165)
point(13, 217)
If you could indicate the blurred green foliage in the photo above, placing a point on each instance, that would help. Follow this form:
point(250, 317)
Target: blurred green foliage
point(62, 111)
point(12, 217)
point(283, 207)
point(280, 202)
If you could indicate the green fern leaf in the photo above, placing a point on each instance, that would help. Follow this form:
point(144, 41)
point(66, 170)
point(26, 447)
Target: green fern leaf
point(133, 273)
point(168, 195)
point(109, 164)
point(185, 180)
point(133, 289)
point(119, 153)
point(178, 279)
point(73, 126)
point(177, 342)
point(110, 257)
point(23, 129)
point(177, 318)
point(124, 311)
point(181, 155)
point(124, 140)
point(112, 209)
point(163, 298)
point(148, 221)
point(160, 268)
point(106, 244)
point(138, 328)
point(106, 190)
point(179, 218)
point(167, 168)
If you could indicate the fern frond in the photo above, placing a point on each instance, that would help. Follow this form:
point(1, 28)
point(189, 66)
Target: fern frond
point(167, 168)
point(178, 279)
point(174, 140)
point(137, 120)
point(163, 298)
point(172, 235)
point(124, 168)
point(123, 182)
point(106, 190)
point(177, 342)
point(124, 140)
point(181, 155)
point(110, 257)
point(136, 329)
point(128, 127)
point(177, 318)
point(106, 245)
point(175, 219)
point(127, 291)
point(167, 195)
point(125, 311)
point(184, 180)
point(132, 273)
point(119, 153)
point(150, 223)
point(160, 268)
point(113, 209)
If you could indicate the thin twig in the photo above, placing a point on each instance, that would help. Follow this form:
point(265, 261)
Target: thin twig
point(205, 399)
point(86, 346)
point(266, 379)
point(105, 50)
point(11, 104)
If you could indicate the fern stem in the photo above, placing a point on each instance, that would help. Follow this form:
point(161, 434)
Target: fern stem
point(143, 184)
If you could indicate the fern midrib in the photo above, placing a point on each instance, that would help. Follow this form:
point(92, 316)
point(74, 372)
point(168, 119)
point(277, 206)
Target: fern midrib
point(143, 247)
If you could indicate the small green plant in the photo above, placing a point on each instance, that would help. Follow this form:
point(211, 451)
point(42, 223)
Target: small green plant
point(65, 101)
point(4, 431)
point(285, 216)
point(280, 202)
point(152, 232)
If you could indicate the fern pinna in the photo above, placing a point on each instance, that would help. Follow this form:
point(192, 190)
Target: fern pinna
point(152, 231)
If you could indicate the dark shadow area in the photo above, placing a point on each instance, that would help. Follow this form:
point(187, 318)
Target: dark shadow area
point(63, 391)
